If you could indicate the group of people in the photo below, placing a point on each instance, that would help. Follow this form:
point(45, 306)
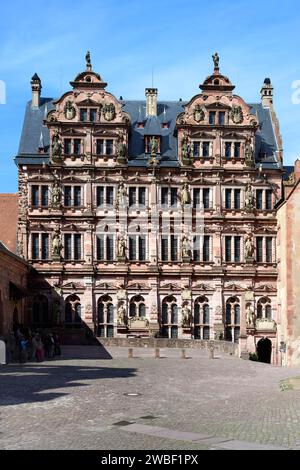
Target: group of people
point(26, 346)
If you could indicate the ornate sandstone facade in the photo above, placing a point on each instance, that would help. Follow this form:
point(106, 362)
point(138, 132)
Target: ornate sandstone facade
point(152, 218)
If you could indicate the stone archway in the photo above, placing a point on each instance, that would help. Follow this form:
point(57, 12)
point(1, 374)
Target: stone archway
point(264, 350)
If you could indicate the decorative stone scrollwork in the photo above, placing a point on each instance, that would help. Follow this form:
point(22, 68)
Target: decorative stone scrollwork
point(109, 111)
point(236, 114)
point(198, 113)
point(69, 111)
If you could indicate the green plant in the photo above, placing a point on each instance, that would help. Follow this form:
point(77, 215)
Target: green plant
point(253, 357)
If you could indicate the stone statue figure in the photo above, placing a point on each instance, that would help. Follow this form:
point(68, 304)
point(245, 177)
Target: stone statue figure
point(186, 316)
point(88, 59)
point(249, 316)
point(121, 151)
point(185, 247)
point(121, 195)
point(185, 194)
point(249, 154)
point(249, 198)
point(121, 315)
point(55, 195)
point(249, 247)
point(121, 248)
point(216, 60)
point(56, 244)
point(56, 146)
point(153, 146)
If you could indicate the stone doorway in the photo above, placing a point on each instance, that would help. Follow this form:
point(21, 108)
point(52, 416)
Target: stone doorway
point(264, 350)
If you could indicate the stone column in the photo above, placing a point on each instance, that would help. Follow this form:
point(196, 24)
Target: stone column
point(87, 303)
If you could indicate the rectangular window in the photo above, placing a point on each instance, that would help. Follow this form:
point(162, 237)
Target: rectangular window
point(100, 247)
point(83, 114)
point(227, 149)
point(132, 248)
point(142, 248)
point(259, 249)
point(269, 242)
point(67, 146)
point(77, 246)
point(35, 245)
point(109, 147)
point(173, 196)
point(77, 146)
point(164, 196)
point(132, 197)
point(196, 198)
point(164, 249)
point(142, 196)
point(100, 196)
point(237, 150)
point(109, 195)
point(206, 248)
point(259, 199)
point(68, 196)
point(237, 198)
point(35, 195)
point(100, 147)
point(205, 149)
point(110, 248)
point(196, 149)
point(212, 117)
point(269, 199)
point(45, 195)
point(228, 249)
point(174, 251)
point(206, 332)
point(93, 115)
point(221, 118)
point(206, 198)
point(227, 198)
point(196, 248)
point(77, 196)
point(237, 249)
point(45, 246)
point(68, 246)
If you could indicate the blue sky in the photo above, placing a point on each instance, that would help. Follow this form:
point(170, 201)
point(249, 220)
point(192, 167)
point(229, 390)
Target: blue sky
point(128, 37)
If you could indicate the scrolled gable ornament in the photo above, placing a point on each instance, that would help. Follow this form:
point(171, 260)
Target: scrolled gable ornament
point(198, 113)
point(109, 111)
point(69, 110)
point(236, 114)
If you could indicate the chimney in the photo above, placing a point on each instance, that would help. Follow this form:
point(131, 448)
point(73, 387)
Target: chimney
point(36, 87)
point(266, 94)
point(297, 170)
point(151, 101)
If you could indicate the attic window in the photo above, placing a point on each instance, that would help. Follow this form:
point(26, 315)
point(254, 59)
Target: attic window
point(216, 82)
point(88, 79)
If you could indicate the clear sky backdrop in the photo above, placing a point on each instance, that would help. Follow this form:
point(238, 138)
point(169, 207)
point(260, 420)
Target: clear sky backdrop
point(254, 39)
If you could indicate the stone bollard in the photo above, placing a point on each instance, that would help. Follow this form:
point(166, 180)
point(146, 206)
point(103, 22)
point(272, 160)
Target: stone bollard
point(211, 352)
point(183, 356)
point(130, 353)
point(2, 352)
point(157, 355)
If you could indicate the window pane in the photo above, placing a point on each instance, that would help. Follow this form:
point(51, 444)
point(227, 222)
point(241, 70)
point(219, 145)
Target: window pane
point(206, 331)
point(197, 314)
point(269, 249)
point(227, 149)
point(68, 246)
point(164, 196)
point(67, 146)
point(174, 251)
point(132, 310)
point(206, 192)
point(228, 334)
point(110, 331)
point(101, 331)
point(35, 195)
point(110, 313)
point(100, 247)
point(93, 115)
point(110, 248)
point(45, 195)
point(142, 248)
point(196, 198)
point(68, 313)
point(205, 149)
point(269, 199)
point(109, 195)
point(142, 310)
point(259, 249)
point(269, 312)
point(173, 196)
point(237, 249)
point(221, 118)
point(164, 249)
point(100, 147)
point(100, 312)
point(77, 146)
point(77, 196)
point(236, 314)
point(212, 117)
point(228, 314)
point(68, 196)
point(132, 248)
point(132, 197)
point(100, 196)
point(174, 314)
point(236, 335)
point(174, 332)
point(35, 245)
point(228, 198)
point(197, 331)
point(164, 314)
point(83, 114)
point(196, 149)
point(142, 196)
point(259, 311)
point(109, 147)
point(237, 150)
point(165, 332)
point(206, 248)
point(77, 309)
point(77, 246)
point(196, 248)
point(228, 249)
point(206, 314)
point(45, 246)
point(259, 199)
point(237, 198)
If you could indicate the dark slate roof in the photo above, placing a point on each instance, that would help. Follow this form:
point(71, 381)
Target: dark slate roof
point(287, 171)
point(167, 112)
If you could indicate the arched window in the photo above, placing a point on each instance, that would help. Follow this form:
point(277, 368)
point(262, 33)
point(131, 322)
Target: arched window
point(206, 314)
point(264, 308)
point(232, 319)
point(72, 312)
point(105, 317)
point(137, 306)
point(169, 317)
point(201, 318)
point(40, 311)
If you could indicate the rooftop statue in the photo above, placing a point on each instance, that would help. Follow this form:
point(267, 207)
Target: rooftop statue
point(216, 60)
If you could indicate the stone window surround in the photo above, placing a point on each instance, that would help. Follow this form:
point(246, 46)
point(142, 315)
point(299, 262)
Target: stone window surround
point(232, 188)
point(39, 233)
point(233, 235)
point(264, 236)
point(211, 196)
point(72, 259)
point(82, 195)
point(232, 142)
point(201, 141)
point(264, 198)
point(72, 153)
point(31, 184)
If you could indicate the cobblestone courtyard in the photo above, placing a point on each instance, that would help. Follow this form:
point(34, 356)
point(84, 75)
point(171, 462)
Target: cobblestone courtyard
point(80, 402)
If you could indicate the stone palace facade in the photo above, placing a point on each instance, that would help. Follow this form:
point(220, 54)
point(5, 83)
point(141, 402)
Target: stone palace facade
point(152, 218)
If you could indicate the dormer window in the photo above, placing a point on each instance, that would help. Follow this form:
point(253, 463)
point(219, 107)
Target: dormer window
point(148, 143)
point(221, 118)
point(212, 117)
point(93, 115)
point(83, 114)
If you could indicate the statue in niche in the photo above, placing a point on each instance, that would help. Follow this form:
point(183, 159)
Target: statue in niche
point(249, 154)
point(249, 198)
point(153, 146)
point(121, 195)
point(185, 245)
point(249, 317)
point(56, 244)
point(88, 59)
point(121, 315)
point(249, 247)
point(185, 194)
point(121, 248)
point(55, 195)
point(186, 316)
point(216, 60)
point(56, 146)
